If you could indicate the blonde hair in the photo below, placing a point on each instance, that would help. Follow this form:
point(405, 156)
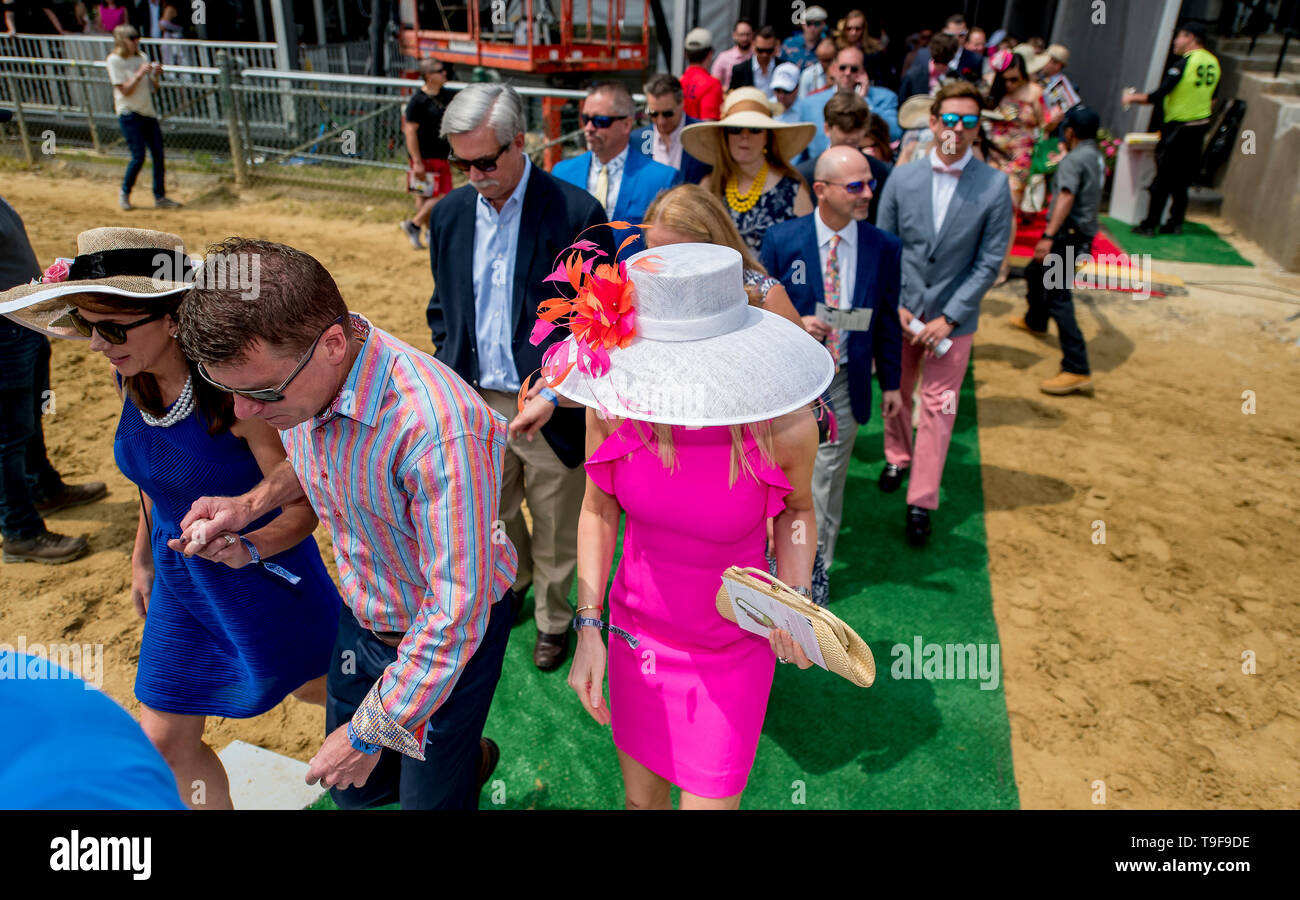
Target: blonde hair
point(692, 210)
point(121, 34)
point(659, 440)
point(866, 41)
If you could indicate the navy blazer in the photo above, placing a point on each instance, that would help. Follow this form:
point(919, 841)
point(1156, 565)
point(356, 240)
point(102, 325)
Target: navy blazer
point(643, 179)
point(691, 171)
point(553, 215)
point(790, 254)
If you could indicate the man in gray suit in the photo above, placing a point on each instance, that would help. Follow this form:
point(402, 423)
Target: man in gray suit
point(953, 215)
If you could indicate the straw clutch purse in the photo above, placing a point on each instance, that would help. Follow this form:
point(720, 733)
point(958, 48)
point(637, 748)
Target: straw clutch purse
point(841, 649)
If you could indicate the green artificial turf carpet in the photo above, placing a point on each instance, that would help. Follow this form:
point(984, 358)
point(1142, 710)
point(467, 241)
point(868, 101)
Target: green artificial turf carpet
point(1198, 243)
point(826, 744)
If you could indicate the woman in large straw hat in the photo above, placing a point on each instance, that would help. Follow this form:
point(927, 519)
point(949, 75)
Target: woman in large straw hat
point(750, 153)
point(698, 431)
point(234, 633)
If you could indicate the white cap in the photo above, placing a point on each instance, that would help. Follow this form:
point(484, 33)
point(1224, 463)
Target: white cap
point(815, 14)
point(786, 77)
point(698, 39)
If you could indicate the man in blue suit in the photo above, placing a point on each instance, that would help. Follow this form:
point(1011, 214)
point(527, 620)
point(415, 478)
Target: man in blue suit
point(662, 139)
point(850, 75)
point(834, 256)
point(622, 181)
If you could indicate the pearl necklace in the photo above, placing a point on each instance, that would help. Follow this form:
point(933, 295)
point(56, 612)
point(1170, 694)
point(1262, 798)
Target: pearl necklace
point(183, 406)
point(745, 202)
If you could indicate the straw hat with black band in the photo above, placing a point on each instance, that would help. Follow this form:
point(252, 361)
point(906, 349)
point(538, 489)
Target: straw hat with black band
point(745, 107)
point(131, 263)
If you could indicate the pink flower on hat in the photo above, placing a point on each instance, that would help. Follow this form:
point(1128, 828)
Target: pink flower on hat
point(59, 270)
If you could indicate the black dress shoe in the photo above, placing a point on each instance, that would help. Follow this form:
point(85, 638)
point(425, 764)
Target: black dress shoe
point(1171, 228)
point(918, 526)
point(73, 495)
point(489, 754)
point(891, 478)
point(1143, 229)
point(550, 649)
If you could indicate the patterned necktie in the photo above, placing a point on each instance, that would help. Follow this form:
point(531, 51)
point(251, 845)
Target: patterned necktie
point(602, 185)
point(831, 283)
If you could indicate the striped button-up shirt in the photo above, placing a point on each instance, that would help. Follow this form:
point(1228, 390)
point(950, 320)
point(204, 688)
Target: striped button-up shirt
point(404, 468)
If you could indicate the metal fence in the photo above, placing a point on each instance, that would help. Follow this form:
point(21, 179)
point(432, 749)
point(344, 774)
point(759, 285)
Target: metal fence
point(232, 118)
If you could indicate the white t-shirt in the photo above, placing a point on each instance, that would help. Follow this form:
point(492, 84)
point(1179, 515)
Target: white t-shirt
point(141, 99)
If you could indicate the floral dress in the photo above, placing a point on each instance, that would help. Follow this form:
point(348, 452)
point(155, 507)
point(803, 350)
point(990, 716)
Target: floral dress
point(773, 206)
point(1014, 140)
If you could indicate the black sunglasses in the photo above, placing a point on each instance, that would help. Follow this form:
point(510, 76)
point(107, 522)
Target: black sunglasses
point(732, 130)
point(765, 51)
point(847, 68)
point(855, 187)
point(113, 332)
point(601, 122)
point(271, 395)
point(484, 164)
point(663, 113)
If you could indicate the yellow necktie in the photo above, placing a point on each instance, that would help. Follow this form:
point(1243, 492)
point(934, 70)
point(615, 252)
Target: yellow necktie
point(602, 185)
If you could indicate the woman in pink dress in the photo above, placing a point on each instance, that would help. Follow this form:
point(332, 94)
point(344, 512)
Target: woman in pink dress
point(698, 431)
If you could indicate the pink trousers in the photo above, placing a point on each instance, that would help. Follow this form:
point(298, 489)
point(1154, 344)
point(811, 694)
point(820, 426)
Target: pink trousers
point(940, 387)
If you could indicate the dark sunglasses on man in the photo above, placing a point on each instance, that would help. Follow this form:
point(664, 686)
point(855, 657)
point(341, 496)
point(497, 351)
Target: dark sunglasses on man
point(844, 67)
point(484, 164)
point(659, 114)
point(113, 332)
point(271, 395)
point(855, 187)
point(601, 122)
point(764, 51)
point(950, 120)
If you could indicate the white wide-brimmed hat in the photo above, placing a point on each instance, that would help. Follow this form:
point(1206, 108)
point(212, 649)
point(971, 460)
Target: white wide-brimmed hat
point(132, 263)
point(745, 107)
point(699, 354)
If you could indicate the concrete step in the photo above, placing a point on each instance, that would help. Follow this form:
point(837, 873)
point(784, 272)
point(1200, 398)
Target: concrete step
point(1266, 44)
point(1258, 63)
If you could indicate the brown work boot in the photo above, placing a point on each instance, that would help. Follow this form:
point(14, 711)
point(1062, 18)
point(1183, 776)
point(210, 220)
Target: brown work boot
point(1067, 383)
point(1019, 322)
point(73, 495)
point(46, 547)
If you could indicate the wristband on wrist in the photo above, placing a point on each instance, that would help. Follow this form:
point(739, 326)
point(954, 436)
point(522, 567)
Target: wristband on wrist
point(549, 394)
point(270, 567)
point(580, 622)
point(360, 744)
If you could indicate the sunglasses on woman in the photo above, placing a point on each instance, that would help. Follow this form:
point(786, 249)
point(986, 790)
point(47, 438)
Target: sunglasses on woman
point(484, 164)
point(950, 120)
point(855, 187)
point(733, 130)
point(113, 332)
point(601, 122)
point(271, 395)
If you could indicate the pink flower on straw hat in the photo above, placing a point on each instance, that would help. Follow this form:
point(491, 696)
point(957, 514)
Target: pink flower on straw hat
point(58, 271)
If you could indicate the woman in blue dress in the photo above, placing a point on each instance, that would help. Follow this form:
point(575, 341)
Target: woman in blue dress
point(232, 634)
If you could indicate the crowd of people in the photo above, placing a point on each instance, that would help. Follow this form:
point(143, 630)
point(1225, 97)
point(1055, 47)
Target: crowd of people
point(718, 354)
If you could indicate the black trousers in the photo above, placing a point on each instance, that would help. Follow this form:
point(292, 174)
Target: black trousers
point(1177, 157)
point(1049, 296)
point(448, 777)
point(26, 476)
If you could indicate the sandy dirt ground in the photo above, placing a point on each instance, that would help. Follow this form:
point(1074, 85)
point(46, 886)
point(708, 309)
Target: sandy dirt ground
point(1123, 660)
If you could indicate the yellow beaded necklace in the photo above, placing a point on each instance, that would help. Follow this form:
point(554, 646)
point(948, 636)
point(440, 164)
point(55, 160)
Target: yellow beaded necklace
point(745, 202)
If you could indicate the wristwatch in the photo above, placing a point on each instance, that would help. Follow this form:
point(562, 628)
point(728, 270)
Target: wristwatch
point(802, 592)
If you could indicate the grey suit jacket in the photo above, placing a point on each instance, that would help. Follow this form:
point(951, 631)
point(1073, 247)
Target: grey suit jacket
point(948, 274)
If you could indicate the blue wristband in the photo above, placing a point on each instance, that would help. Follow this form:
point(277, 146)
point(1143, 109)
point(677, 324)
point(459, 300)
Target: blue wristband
point(584, 621)
point(358, 744)
point(270, 567)
point(549, 395)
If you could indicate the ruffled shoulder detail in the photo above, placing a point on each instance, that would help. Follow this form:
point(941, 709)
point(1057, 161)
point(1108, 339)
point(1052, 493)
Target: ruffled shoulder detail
point(600, 466)
point(770, 474)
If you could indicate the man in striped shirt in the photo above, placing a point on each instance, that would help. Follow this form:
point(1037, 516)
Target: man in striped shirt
point(402, 462)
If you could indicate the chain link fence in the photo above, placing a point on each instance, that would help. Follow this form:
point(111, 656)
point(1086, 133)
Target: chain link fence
point(233, 114)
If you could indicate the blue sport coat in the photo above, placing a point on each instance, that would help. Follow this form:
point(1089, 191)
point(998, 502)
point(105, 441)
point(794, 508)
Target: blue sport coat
point(790, 254)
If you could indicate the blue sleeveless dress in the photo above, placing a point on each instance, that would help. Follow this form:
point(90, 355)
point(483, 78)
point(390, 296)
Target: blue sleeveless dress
point(219, 641)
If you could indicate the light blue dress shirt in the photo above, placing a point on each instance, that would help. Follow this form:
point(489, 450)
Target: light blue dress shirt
point(496, 243)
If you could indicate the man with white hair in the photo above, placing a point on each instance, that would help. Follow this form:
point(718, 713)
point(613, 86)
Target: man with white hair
point(488, 276)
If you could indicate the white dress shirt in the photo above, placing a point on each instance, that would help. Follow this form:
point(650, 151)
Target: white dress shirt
point(812, 79)
point(764, 82)
point(669, 150)
point(615, 167)
point(943, 185)
point(496, 244)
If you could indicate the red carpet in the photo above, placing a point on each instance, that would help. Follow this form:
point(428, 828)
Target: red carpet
point(1022, 251)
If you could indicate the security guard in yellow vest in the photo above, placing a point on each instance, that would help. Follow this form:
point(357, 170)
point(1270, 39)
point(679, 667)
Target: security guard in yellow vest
point(1187, 90)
